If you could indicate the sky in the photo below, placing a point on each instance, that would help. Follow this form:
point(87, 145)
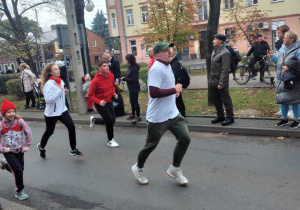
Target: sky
point(47, 18)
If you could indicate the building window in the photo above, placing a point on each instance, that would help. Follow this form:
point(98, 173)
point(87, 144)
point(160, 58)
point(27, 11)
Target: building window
point(5, 67)
point(228, 4)
point(94, 43)
point(133, 47)
point(113, 18)
point(252, 2)
point(276, 0)
point(12, 66)
point(129, 17)
point(202, 10)
point(144, 14)
point(230, 34)
point(0, 68)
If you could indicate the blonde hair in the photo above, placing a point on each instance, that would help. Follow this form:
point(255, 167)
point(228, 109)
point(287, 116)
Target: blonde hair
point(87, 77)
point(23, 66)
point(230, 44)
point(173, 51)
point(291, 35)
point(46, 74)
point(27, 67)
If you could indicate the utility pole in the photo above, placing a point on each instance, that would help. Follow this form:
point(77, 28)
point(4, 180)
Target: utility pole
point(39, 36)
point(76, 54)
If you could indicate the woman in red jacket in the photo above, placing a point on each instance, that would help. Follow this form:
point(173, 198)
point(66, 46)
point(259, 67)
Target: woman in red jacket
point(101, 92)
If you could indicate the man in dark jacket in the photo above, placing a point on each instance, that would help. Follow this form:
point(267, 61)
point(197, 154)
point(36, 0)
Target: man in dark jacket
point(114, 66)
point(259, 48)
point(219, 81)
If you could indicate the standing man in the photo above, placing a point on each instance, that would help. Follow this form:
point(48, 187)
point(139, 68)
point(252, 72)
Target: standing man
point(219, 81)
point(150, 53)
point(258, 49)
point(163, 115)
point(281, 30)
point(101, 92)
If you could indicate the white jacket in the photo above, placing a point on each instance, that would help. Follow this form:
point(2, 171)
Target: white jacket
point(55, 99)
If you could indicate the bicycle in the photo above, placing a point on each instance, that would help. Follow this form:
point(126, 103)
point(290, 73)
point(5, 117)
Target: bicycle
point(242, 74)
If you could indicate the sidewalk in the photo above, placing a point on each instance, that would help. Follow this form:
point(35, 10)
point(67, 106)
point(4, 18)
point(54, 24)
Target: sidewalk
point(246, 126)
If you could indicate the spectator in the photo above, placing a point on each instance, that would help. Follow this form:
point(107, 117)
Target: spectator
point(258, 49)
point(85, 88)
point(281, 30)
point(27, 79)
point(176, 68)
point(233, 58)
point(132, 80)
point(150, 53)
point(287, 61)
point(219, 81)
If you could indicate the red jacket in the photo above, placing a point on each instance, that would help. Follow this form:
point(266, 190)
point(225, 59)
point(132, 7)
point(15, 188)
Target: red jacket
point(102, 88)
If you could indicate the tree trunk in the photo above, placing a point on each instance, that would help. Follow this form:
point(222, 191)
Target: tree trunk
point(212, 29)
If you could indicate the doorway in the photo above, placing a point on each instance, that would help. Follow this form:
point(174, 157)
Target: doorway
point(202, 41)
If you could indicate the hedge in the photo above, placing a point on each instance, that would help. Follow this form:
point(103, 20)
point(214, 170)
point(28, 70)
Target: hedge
point(4, 78)
point(14, 87)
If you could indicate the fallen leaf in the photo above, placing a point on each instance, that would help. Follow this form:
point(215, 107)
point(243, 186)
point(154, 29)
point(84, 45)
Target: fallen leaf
point(280, 137)
point(293, 137)
point(221, 133)
point(226, 133)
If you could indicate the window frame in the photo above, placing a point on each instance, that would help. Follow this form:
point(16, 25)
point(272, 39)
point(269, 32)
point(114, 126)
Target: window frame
point(204, 11)
point(144, 14)
point(276, 1)
point(129, 17)
point(5, 69)
point(230, 37)
point(133, 46)
point(252, 3)
point(228, 1)
point(113, 19)
point(95, 43)
point(12, 67)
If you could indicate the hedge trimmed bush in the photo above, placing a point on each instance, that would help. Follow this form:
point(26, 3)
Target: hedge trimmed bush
point(4, 78)
point(92, 74)
point(14, 87)
point(71, 75)
point(143, 73)
point(142, 64)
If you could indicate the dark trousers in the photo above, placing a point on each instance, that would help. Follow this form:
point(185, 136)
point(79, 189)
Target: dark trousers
point(221, 97)
point(134, 101)
point(16, 167)
point(155, 131)
point(107, 112)
point(251, 65)
point(29, 95)
point(180, 105)
point(66, 119)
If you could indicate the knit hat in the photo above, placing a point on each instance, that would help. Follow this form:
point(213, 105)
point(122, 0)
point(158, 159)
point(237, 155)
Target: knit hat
point(6, 105)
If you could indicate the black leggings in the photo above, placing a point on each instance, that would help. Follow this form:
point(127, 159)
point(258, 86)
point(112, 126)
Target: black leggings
point(66, 119)
point(29, 95)
point(134, 101)
point(108, 114)
point(16, 167)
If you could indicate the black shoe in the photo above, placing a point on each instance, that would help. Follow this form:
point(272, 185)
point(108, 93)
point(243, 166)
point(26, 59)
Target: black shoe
point(294, 125)
point(76, 153)
point(90, 110)
point(41, 151)
point(26, 107)
point(32, 106)
point(217, 120)
point(228, 121)
point(282, 122)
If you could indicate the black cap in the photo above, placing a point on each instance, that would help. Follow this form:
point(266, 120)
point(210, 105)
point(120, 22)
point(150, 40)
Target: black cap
point(258, 35)
point(221, 37)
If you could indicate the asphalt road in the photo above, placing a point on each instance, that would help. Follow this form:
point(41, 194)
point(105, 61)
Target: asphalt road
point(226, 172)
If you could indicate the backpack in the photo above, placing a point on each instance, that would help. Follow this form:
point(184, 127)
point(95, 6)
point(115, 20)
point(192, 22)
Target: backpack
point(237, 57)
point(184, 78)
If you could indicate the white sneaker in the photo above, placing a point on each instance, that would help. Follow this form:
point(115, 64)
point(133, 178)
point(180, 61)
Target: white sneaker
point(112, 143)
point(177, 174)
point(21, 195)
point(92, 122)
point(139, 175)
point(278, 113)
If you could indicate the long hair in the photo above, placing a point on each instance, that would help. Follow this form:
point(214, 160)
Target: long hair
point(131, 59)
point(23, 66)
point(291, 35)
point(46, 74)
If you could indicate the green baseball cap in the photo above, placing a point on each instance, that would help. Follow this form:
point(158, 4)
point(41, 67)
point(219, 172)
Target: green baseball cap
point(160, 46)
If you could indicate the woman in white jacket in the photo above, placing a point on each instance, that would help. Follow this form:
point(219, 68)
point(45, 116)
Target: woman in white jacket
point(54, 94)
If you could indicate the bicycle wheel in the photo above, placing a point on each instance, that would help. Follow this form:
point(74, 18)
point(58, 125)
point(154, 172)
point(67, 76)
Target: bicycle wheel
point(242, 75)
point(268, 73)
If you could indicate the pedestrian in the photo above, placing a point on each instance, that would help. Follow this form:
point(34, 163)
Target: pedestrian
point(233, 58)
point(177, 68)
point(12, 129)
point(219, 81)
point(162, 115)
point(287, 80)
point(85, 88)
point(259, 49)
point(150, 53)
point(27, 80)
point(54, 94)
point(114, 67)
point(132, 80)
point(101, 92)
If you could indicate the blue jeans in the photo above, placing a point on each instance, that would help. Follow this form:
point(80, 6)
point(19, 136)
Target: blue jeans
point(285, 108)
